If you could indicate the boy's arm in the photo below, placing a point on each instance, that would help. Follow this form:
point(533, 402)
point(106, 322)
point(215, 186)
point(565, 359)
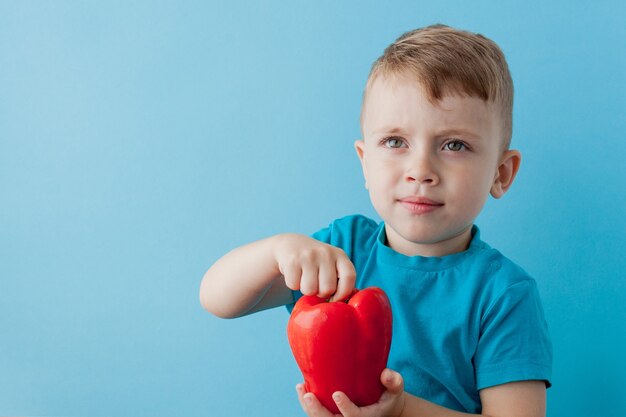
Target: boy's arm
point(514, 399)
point(261, 275)
point(244, 279)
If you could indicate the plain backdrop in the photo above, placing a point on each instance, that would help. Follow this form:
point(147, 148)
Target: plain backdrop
point(142, 140)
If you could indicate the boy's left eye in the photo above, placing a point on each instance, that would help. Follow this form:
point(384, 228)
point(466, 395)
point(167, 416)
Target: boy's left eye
point(454, 146)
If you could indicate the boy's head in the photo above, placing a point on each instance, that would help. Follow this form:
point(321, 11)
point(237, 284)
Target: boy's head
point(436, 122)
point(447, 61)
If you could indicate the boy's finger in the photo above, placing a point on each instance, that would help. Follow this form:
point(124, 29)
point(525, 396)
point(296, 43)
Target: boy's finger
point(392, 380)
point(310, 404)
point(346, 407)
point(308, 282)
point(292, 276)
point(301, 392)
point(347, 276)
point(304, 403)
point(327, 280)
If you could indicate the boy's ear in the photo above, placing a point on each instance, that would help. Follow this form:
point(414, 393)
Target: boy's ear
point(359, 146)
point(506, 172)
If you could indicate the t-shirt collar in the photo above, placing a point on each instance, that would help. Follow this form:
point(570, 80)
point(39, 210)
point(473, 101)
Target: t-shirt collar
point(425, 263)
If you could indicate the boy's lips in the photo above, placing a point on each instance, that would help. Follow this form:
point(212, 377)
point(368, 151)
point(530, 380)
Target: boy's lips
point(420, 205)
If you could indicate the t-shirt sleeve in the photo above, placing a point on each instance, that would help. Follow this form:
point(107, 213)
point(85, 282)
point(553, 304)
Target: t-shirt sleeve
point(323, 235)
point(514, 343)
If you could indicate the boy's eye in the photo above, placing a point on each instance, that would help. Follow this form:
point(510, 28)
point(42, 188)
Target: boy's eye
point(393, 142)
point(454, 146)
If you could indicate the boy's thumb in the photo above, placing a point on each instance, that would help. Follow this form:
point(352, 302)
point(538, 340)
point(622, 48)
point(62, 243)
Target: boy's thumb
point(392, 380)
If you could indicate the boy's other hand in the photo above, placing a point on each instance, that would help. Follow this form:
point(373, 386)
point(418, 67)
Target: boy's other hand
point(390, 404)
point(314, 267)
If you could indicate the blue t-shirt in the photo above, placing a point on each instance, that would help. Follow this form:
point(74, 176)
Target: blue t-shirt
point(461, 322)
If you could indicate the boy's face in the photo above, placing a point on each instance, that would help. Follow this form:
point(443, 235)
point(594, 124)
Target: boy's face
point(430, 167)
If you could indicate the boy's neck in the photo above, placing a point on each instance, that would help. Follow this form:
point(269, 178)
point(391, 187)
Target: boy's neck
point(455, 244)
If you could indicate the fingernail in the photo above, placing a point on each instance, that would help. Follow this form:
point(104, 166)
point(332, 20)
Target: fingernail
point(308, 399)
point(337, 397)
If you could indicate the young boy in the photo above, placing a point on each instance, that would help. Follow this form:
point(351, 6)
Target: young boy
point(469, 331)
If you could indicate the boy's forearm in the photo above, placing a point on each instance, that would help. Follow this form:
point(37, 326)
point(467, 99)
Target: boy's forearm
point(418, 407)
point(239, 279)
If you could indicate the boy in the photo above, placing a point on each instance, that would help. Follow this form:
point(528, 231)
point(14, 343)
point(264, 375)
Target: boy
point(469, 332)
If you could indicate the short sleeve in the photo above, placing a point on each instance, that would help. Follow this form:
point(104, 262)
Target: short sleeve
point(323, 235)
point(514, 343)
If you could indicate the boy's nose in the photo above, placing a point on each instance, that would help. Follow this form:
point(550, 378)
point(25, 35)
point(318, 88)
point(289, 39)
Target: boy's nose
point(421, 171)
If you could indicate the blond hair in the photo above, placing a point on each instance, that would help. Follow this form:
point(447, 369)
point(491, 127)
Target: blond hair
point(444, 61)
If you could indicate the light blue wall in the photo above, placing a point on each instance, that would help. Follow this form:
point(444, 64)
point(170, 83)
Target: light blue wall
point(139, 141)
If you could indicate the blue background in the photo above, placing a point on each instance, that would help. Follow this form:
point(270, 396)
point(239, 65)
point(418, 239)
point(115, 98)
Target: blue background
point(140, 141)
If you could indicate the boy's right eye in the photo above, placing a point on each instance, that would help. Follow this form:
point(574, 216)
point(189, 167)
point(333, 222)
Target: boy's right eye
point(393, 142)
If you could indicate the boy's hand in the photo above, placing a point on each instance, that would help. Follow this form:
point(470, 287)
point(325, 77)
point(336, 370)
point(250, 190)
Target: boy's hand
point(391, 403)
point(314, 267)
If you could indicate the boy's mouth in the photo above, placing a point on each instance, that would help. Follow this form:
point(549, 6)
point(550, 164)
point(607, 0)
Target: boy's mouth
point(420, 205)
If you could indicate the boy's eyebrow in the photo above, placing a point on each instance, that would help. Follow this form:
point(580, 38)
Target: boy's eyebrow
point(459, 132)
point(447, 132)
point(389, 130)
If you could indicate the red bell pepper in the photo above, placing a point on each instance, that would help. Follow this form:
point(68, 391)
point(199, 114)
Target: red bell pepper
point(342, 346)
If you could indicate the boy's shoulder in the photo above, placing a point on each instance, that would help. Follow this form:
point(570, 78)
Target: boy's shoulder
point(499, 272)
point(352, 233)
point(355, 221)
point(351, 225)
